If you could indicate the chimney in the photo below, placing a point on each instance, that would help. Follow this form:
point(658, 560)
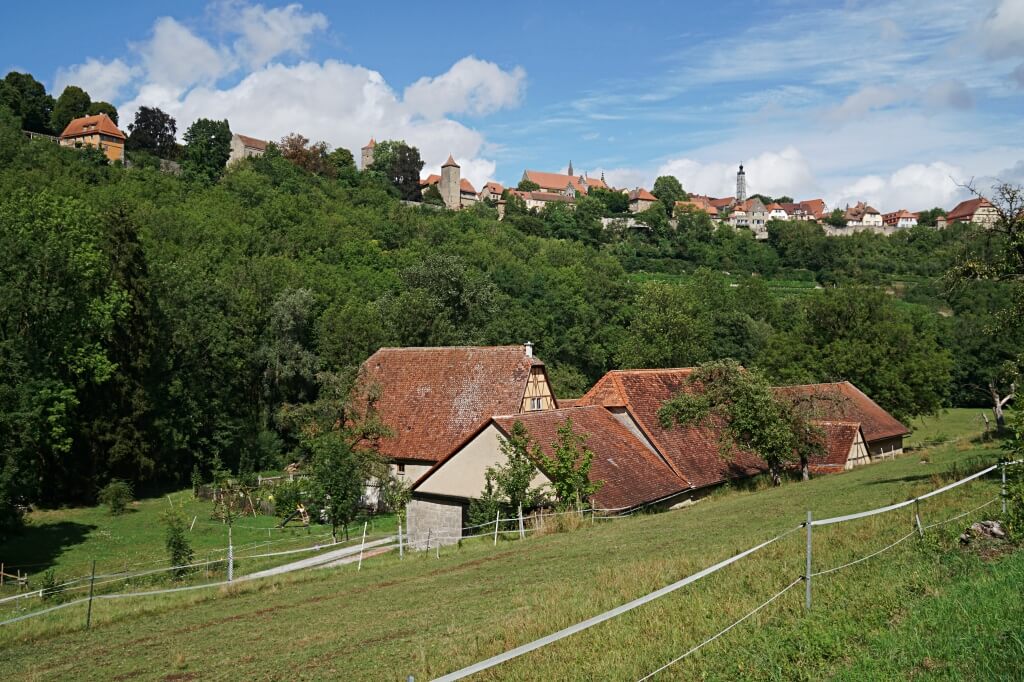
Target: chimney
point(528, 347)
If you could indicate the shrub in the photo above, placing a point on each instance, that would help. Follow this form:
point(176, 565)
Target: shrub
point(287, 496)
point(48, 585)
point(179, 550)
point(117, 495)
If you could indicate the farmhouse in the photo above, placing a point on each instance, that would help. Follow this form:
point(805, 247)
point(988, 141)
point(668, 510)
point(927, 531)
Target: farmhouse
point(631, 472)
point(842, 401)
point(95, 131)
point(640, 200)
point(432, 398)
point(978, 210)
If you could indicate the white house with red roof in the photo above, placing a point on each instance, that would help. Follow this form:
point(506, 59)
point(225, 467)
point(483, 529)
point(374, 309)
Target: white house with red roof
point(978, 210)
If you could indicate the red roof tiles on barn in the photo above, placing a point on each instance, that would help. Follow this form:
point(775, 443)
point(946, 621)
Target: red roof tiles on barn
point(842, 401)
point(632, 474)
point(692, 452)
point(839, 437)
point(432, 398)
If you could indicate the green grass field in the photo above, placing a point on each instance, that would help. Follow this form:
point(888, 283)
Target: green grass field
point(426, 616)
point(68, 540)
point(950, 425)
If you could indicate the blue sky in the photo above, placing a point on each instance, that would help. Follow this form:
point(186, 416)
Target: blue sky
point(891, 102)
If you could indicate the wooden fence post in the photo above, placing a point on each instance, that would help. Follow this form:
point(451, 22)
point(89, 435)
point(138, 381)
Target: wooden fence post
point(92, 581)
point(361, 545)
point(497, 520)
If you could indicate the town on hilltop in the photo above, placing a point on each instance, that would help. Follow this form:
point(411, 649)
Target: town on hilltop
point(538, 189)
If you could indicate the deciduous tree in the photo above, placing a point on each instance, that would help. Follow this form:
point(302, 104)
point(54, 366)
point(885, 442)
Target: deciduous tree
point(207, 149)
point(73, 103)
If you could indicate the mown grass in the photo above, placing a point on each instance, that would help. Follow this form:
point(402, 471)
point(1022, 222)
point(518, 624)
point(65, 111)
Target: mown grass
point(955, 423)
point(68, 540)
point(426, 616)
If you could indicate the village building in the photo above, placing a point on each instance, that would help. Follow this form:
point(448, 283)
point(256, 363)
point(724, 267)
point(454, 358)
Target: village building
point(842, 401)
point(776, 212)
point(244, 147)
point(492, 191)
point(862, 215)
point(697, 203)
point(812, 210)
point(366, 157)
point(630, 472)
point(432, 398)
point(563, 183)
point(97, 131)
point(751, 214)
point(900, 219)
point(640, 200)
point(978, 210)
point(456, 191)
point(539, 199)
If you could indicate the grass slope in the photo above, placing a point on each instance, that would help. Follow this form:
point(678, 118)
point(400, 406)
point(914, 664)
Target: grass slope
point(427, 616)
point(68, 540)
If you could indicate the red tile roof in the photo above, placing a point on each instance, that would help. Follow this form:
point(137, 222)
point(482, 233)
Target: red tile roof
point(449, 162)
point(494, 188)
point(90, 125)
point(372, 143)
point(632, 474)
point(432, 398)
point(965, 210)
point(252, 142)
point(559, 181)
point(692, 452)
point(699, 204)
point(640, 194)
point(839, 437)
point(842, 401)
point(723, 202)
point(568, 402)
point(464, 184)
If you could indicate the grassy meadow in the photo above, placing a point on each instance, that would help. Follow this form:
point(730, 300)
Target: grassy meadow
point(428, 615)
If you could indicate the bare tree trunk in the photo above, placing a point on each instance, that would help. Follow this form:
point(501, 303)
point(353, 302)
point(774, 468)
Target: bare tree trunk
point(805, 469)
point(776, 477)
point(999, 402)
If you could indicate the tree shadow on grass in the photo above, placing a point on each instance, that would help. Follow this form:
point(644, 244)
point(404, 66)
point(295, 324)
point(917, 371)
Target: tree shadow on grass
point(36, 548)
point(912, 478)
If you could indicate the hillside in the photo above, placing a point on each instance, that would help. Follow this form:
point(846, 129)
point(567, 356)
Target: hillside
point(340, 621)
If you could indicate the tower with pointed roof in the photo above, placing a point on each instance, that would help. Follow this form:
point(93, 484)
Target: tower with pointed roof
point(368, 153)
point(451, 178)
point(570, 168)
point(741, 186)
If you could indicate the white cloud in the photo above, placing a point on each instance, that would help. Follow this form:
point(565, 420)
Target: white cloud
point(1000, 33)
point(102, 80)
point(269, 33)
point(471, 86)
point(177, 57)
point(333, 101)
point(772, 173)
point(914, 187)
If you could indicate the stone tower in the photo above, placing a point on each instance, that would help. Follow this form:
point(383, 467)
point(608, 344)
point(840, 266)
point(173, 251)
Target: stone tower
point(368, 153)
point(451, 178)
point(741, 186)
point(570, 168)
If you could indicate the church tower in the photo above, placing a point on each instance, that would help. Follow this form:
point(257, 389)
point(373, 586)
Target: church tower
point(570, 168)
point(741, 186)
point(368, 153)
point(450, 184)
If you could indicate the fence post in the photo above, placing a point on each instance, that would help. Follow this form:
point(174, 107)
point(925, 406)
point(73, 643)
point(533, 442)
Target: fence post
point(807, 575)
point(92, 581)
point(497, 520)
point(917, 517)
point(1003, 489)
point(401, 550)
point(429, 530)
point(231, 557)
point(522, 531)
point(361, 545)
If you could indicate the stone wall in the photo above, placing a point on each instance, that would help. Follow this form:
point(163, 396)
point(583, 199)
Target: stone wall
point(441, 521)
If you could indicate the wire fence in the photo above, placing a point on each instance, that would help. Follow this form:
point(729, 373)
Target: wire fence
point(805, 578)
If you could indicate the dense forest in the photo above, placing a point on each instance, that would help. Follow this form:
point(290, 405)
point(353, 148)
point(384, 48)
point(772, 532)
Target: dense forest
point(154, 325)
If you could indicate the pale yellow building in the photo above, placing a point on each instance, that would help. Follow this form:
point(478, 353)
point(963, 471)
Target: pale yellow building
point(95, 131)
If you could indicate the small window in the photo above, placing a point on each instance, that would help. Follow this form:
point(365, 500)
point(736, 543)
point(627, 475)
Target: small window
point(535, 403)
point(401, 470)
